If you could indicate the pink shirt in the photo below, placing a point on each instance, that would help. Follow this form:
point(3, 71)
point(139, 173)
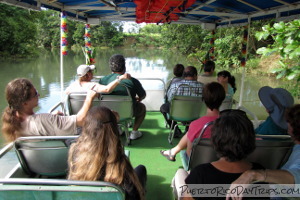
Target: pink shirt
point(197, 125)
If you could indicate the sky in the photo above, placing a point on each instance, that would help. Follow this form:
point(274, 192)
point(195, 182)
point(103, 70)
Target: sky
point(132, 27)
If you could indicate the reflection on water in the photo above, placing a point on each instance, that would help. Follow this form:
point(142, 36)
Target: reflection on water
point(145, 63)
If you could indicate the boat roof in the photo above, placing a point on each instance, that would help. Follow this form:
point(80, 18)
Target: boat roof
point(210, 13)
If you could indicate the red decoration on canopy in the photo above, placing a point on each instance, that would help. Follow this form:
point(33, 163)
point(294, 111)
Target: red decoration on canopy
point(160, 11)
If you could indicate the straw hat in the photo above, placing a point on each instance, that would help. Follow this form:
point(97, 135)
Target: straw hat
point(276, 100)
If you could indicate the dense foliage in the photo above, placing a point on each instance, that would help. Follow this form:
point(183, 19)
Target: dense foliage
point(17, 31)
point(22, 32)
point(286, 38)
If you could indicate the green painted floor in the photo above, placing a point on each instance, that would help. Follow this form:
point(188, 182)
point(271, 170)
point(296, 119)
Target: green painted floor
point(145, 151)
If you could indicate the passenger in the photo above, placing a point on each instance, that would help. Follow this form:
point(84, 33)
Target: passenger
point(213, 96)
point(208, 75)
point(233, 139)
point(85, 74)
point(190, 78)
point(276, 101)
point(99, 156)
point(290, 171)
point(19, 119)
point(117, 66)
point(178, 74)
point(228, 82)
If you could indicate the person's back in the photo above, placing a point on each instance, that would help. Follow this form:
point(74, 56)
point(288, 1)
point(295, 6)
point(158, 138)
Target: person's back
point(90, 152)
point(117, 66)
point(178, 75)
point(213, 95)
point(193, 88)
point(276, 101)
point(208, 75)
point(233, 139)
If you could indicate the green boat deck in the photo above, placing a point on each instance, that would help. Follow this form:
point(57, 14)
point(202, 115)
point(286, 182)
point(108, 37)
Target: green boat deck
point(145, 151)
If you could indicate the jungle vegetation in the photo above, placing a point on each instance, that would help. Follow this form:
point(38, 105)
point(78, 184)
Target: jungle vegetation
point(24, 32)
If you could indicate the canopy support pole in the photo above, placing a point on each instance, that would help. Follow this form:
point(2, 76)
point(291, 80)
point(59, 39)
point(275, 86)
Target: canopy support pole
point(61, 75)
point(244, 68)
point(63, 51)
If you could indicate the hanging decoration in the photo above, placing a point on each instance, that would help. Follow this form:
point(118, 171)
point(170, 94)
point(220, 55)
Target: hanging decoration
point(212, 46)
point(244, 46)
point(64, 34)
point(88, 50)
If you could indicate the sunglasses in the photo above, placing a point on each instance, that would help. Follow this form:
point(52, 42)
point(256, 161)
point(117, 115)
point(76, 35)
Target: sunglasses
point(229, 111)
point(36, 94)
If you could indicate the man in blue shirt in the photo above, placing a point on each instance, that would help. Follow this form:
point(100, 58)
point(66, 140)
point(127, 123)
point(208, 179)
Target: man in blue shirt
point(195, 89)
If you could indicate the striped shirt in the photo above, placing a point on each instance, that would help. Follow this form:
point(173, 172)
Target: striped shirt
point(194, 88)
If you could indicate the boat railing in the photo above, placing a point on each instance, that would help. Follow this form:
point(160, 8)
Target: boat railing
point(57, 106)
point(254, 118)
point(6, 149)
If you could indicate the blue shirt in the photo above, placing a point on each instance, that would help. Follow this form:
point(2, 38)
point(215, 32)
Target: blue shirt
point(293, 164)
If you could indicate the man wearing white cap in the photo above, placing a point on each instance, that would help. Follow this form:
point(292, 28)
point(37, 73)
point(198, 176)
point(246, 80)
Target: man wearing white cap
point(276, 101)
point(85, 74)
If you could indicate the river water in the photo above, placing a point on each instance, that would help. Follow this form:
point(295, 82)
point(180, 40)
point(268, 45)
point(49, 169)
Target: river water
point(44, 72)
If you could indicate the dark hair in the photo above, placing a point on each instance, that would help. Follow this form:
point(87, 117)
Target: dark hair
point(117, 63)
point(293, 118)
point(209, 66)
point(178, 70)
point(231, 79)
point(17, 92)
point(233, 135)
point(213, 95)
point(190, 71)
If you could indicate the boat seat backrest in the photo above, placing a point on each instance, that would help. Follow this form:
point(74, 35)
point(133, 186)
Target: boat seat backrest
point(271, 151)
point(58, 189)
point(202, 150)
point(226, 104)
point(43, 156)
point(271, 154)
point(75, 102)
point(185, 108)
point(118, 103)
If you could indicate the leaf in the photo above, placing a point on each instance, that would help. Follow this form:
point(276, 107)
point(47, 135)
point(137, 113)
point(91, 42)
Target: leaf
point(295, 53)
point(279, 26)
point(261, 50)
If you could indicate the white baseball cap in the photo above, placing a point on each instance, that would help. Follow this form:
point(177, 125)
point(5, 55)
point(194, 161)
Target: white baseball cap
point(83, 69)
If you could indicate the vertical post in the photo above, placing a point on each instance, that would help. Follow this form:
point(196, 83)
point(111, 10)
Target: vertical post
point(212, 45)
point(245, 47)
point(63, 49)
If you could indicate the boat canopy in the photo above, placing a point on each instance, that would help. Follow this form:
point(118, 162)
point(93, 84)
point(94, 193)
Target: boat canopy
point(209, 13)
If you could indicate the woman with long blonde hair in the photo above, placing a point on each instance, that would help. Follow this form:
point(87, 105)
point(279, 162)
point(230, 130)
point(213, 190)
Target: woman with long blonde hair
point(99, 155)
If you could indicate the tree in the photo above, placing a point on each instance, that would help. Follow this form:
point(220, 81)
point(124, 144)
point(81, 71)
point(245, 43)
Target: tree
point(107, 34)
point(17, 31)
point(286, 38)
